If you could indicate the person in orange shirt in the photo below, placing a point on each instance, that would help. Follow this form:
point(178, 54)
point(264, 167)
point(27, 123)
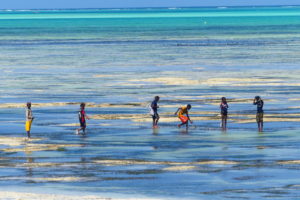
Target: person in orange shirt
point(181, 112)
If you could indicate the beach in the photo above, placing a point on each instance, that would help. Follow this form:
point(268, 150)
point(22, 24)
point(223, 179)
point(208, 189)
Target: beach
point(36, 196)
point(116, 61)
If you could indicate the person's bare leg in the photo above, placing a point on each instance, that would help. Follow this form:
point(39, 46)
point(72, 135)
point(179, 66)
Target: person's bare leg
point(187, 125)
point(179, 125)
point(156, 121)
point(261, 125)
point(78, 130)
point(222, 123)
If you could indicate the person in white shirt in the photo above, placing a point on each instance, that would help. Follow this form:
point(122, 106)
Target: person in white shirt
point(29, 119)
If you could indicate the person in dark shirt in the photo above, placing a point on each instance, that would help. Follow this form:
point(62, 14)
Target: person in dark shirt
point(224, 111)
point(155, 115)
point(260, 112)
point(82, 119)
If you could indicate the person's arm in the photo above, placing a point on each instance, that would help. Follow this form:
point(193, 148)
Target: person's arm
point(32, 117)
point(254, 102)
point(154, 105)
point(177, 111)
point(86, 116)
point(187, 114)
point(29, 115)
point(79, 116)
point(26, 114)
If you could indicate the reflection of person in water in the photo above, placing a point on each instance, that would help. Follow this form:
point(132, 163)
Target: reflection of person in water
point(30, 160)
point(260, 112)
point(29, 171)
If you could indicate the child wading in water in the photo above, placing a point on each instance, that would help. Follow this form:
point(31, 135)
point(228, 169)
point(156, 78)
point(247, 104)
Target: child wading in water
point(82, 119)
point(29, 119)
point(260, 112)
point(184, 119)
point(154, 113)
point(224, 111)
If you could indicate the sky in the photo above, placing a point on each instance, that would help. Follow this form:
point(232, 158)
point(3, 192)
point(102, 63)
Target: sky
point(48, 4)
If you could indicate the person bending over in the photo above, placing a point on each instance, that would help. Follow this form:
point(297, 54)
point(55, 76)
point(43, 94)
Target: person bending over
point(183, 115)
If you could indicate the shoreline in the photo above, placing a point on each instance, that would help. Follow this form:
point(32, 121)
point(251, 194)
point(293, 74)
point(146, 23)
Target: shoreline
point(8, 195)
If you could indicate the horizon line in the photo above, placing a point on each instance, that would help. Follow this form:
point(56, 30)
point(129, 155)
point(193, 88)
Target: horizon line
point(158, 7)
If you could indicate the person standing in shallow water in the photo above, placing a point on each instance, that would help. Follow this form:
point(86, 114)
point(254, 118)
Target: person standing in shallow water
point(224, 111)
point(155, 115)
point(82, 119)
point(260, 112)
point(29, 119)
point(184, 119)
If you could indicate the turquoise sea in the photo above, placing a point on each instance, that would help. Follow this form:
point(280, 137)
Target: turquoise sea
point(117, 60)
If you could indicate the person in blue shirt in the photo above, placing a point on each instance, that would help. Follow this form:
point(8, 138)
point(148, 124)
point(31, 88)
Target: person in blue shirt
point(155, 115)
point(260, 112)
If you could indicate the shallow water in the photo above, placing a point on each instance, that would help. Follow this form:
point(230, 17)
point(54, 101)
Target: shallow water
point(57, 59)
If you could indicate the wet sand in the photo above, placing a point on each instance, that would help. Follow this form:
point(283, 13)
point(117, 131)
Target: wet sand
point(39, 196)
point(123, 156)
